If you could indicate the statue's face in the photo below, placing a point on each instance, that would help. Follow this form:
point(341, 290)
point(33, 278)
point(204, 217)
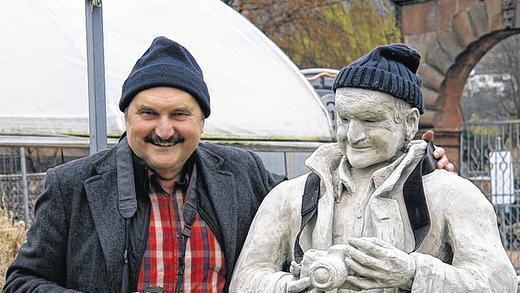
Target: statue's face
point(371, 126)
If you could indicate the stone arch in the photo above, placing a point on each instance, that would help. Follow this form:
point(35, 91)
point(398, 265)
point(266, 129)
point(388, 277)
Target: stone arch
point(452, 36)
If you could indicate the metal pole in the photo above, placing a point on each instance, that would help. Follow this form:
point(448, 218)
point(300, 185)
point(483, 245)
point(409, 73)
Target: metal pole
point(96, 76)
point(24, 187)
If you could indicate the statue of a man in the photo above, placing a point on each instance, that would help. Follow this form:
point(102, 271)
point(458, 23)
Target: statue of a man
point(381, 219)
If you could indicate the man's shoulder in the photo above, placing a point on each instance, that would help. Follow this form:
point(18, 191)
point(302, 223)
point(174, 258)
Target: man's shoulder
point(79, 168)
point(231, 155)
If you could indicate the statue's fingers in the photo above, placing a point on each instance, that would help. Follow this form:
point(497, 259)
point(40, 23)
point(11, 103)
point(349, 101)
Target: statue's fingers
point(362, 283)
point(298, 285)
point(368, 268)
point(370, 246)
point(349, 286)
point(377, 241)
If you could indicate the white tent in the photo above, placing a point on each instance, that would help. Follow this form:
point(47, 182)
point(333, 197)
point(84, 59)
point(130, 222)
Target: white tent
point(256, 92)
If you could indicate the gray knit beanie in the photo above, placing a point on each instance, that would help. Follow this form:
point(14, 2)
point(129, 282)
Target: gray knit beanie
point(390, 69)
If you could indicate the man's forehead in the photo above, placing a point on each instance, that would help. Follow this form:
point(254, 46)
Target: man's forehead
point(163, 97)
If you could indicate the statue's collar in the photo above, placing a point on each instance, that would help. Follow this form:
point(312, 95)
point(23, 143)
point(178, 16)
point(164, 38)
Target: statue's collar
point(343, 181)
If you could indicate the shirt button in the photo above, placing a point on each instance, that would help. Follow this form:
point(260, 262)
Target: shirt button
point(359, 216)
point(178, 234)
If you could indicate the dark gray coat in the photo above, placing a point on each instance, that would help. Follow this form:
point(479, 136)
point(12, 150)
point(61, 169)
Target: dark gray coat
point(77, 239)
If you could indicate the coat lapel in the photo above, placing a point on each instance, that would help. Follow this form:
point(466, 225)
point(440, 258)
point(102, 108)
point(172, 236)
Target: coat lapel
point(219, 186)
point(101, 192)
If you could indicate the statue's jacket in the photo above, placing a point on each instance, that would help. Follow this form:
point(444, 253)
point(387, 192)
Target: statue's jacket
point(461, 251)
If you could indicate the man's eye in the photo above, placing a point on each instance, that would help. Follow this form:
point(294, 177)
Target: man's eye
point(179, 114)
point(147, 113)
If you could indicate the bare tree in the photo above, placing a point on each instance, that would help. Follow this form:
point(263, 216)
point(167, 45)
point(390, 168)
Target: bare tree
point(503, 60)
point(321, 33)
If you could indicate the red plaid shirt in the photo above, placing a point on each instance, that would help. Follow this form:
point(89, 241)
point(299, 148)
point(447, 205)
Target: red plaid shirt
point(204, 260)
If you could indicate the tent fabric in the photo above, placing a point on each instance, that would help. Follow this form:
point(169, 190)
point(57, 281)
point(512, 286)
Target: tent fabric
point(256, 91)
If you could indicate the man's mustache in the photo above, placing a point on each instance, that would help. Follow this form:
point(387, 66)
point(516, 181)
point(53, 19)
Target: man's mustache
point(155, 139)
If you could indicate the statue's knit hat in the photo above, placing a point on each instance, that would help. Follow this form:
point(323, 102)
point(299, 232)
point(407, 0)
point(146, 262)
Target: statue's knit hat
point(390, 69)
point(166, 63)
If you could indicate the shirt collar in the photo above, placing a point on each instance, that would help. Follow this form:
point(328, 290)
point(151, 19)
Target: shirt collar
point(145, 177)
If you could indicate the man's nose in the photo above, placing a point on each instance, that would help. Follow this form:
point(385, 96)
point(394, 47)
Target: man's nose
point(356, 133)
point(165, 128)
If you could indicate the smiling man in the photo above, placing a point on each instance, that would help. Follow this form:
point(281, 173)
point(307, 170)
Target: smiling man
point(160, 211)
point(374, 215)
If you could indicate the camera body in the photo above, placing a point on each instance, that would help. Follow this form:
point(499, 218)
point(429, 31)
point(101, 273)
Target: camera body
point(326, 270)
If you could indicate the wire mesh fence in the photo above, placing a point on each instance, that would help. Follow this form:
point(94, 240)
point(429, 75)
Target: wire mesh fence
point(22, 175)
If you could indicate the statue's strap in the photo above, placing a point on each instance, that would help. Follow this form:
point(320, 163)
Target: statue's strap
point(415, 199)
point(413, 193)
point(309, 209)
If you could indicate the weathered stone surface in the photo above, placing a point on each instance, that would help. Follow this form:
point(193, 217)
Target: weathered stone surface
point(463, 28)
point(430, 98)
point(418, 19)
point(439, 58)
point(421, 42)
point(494, 14)
point(432, 78)
point(465, 4)
point(450, 42)
point(477, 14)
point(447, 9)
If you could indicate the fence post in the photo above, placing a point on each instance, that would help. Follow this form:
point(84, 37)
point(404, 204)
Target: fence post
point(24, 187)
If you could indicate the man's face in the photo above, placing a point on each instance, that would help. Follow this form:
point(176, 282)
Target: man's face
point(164, 126)
point(368, 133)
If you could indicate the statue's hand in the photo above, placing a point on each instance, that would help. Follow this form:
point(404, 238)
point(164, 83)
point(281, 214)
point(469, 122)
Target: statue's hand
point(374, 263)
point(439, 153)
point(297, 286)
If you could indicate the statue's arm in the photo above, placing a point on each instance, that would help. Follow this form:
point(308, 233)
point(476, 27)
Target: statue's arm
point(480, 263)
point(268, 245)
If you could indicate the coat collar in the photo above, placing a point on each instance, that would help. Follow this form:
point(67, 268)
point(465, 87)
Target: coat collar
point(217, 184)
point(101, 193)
point(332, 167)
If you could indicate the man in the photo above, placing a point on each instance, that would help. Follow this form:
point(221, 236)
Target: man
point(159, 211)
point(378, 225)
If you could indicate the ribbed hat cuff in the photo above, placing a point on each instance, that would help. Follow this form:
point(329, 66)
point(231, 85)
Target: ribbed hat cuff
point(170, 75)
point(383, 81)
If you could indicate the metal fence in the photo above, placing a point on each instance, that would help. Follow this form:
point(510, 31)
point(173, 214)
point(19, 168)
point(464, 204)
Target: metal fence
point(490, 158)
point(18, 188)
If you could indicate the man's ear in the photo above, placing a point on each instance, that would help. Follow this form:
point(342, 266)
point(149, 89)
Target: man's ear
point(412, 123)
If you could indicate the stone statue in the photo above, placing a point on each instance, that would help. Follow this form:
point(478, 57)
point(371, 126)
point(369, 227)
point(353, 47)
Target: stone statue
point(381, 220)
